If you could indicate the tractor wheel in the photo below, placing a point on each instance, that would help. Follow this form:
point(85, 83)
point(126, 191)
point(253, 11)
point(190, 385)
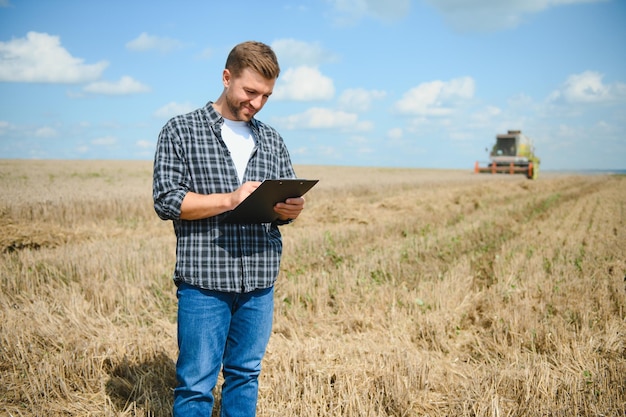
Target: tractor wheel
point(533, 171)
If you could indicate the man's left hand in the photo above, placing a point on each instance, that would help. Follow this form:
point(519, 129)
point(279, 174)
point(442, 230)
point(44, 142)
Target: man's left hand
point(290, 209)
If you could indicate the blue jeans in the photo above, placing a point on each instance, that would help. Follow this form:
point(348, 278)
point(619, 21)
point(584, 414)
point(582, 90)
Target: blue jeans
point(220, 331)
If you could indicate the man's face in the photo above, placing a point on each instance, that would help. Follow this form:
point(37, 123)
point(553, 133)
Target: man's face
point(246, 95)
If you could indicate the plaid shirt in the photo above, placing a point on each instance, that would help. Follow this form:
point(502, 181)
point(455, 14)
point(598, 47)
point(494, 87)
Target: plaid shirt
point(191, 156)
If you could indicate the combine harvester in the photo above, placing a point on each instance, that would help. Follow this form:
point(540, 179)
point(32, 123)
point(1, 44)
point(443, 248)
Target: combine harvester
point(513, 153)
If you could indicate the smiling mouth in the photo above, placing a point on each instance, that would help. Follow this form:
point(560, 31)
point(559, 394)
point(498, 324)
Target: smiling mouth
point(249, 110)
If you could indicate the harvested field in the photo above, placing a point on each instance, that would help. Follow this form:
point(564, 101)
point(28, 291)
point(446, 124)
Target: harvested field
point(403, 292)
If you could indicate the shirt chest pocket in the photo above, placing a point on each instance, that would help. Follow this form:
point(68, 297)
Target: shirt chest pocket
point(211, 169)
point(263, 164)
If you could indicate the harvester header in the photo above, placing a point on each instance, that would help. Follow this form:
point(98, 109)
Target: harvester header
point(513, 153)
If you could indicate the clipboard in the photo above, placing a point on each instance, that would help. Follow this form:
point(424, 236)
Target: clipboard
point(258, 207)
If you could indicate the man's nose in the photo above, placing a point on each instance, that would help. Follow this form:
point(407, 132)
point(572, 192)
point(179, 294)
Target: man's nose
point(257, 102)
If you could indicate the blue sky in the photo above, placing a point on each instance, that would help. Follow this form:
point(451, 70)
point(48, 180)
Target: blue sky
point(396, 83)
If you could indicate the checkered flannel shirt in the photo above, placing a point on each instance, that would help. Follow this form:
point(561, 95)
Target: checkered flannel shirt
point(191, 156)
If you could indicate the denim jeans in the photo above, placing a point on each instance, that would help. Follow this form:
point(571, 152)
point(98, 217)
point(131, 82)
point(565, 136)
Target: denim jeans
point(220, 331)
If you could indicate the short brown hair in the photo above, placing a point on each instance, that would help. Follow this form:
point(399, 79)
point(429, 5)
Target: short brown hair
point(254, 55)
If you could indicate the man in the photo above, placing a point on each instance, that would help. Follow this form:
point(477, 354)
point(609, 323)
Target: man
point(206, 163)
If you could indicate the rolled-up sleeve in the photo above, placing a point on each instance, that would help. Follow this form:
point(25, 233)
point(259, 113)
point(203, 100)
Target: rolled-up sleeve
point(169, 182)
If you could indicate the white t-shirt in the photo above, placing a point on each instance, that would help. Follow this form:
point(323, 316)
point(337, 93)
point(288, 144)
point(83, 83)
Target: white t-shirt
point(239, 140)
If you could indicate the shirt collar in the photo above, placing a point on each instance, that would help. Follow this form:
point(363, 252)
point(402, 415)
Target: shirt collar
point(215, 118)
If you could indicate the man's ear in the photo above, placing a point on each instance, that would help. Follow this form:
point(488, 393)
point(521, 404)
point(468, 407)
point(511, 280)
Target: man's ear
point(226, 77)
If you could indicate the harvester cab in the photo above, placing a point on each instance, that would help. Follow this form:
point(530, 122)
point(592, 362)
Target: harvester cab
point(513, 153)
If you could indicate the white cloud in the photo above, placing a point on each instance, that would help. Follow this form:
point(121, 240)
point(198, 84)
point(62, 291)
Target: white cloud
point(172, 109)
point(485, 117)
point(145, 42)
point(436, 98)
point(520, 102)
point(461, 135)
point(395, 133)
point(322, 118)
point(303, 84)
point(291, 52)
point(348, 12)
point(5, 127)
point(46, 132)
point(328, 152)
point(145, 144)
point(40, 58)
point(587, 87)
point(126, 85)
point(302, 150)
point(104, 141)
point(359, 99)
point(491, 15)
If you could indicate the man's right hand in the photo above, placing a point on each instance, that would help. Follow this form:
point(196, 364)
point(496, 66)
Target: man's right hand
point(200, 206)
point(243, 192)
